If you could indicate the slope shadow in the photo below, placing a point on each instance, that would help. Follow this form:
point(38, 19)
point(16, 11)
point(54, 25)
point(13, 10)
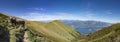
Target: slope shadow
point(5, 35)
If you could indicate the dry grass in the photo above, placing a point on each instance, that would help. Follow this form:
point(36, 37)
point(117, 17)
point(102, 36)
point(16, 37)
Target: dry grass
point(55, 31)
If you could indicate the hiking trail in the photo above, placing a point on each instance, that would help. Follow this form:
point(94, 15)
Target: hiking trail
point(26, 37)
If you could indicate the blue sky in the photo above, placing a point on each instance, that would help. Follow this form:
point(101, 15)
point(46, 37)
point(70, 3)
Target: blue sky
point(39, 10)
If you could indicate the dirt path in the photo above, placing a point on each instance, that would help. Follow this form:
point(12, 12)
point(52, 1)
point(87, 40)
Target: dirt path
point(26, 39)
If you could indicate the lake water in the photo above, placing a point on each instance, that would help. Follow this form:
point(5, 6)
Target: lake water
point(87, 30)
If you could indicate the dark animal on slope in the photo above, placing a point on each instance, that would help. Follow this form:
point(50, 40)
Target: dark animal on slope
point(16, 22)
point(21, 22)
point(13, 21)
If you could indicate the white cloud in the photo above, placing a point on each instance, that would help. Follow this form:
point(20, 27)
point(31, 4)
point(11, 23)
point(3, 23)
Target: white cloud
point(37, 16)
point(38, 9)
point(55, 16)
point(42, 9)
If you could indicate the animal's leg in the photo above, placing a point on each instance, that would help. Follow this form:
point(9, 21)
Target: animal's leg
point(23, 26)
point(19, 26)
point(14, 25)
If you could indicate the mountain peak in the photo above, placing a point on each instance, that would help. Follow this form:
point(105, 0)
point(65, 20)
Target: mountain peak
point(56, 21)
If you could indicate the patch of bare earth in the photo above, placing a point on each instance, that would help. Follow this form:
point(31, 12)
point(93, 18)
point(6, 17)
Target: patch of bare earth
point(26, 38)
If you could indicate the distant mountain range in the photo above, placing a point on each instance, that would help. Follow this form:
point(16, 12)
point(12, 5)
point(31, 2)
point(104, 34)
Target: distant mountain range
point(86, 27)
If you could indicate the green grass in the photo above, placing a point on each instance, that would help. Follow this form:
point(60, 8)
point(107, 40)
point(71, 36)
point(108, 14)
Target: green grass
point(55, 31)
point(6, 27)
point(16, 35)
point(112, 32)
point(107, 34)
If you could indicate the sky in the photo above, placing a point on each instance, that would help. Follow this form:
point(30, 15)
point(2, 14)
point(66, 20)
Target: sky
point(41, 10)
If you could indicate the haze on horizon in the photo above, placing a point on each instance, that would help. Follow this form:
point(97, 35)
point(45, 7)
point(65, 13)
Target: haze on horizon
point(39, 10)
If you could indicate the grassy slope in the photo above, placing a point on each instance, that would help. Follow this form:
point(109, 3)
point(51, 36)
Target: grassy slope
point(55, 31)
point(14, 35)
point(3, 28)
point(107, 34)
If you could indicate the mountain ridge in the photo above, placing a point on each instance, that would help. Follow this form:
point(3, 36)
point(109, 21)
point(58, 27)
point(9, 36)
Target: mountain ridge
point(55, 31)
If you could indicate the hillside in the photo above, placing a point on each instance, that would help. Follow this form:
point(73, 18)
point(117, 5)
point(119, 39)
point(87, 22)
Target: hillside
point(54, 31)
point(111, 34)
point(4, 32)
